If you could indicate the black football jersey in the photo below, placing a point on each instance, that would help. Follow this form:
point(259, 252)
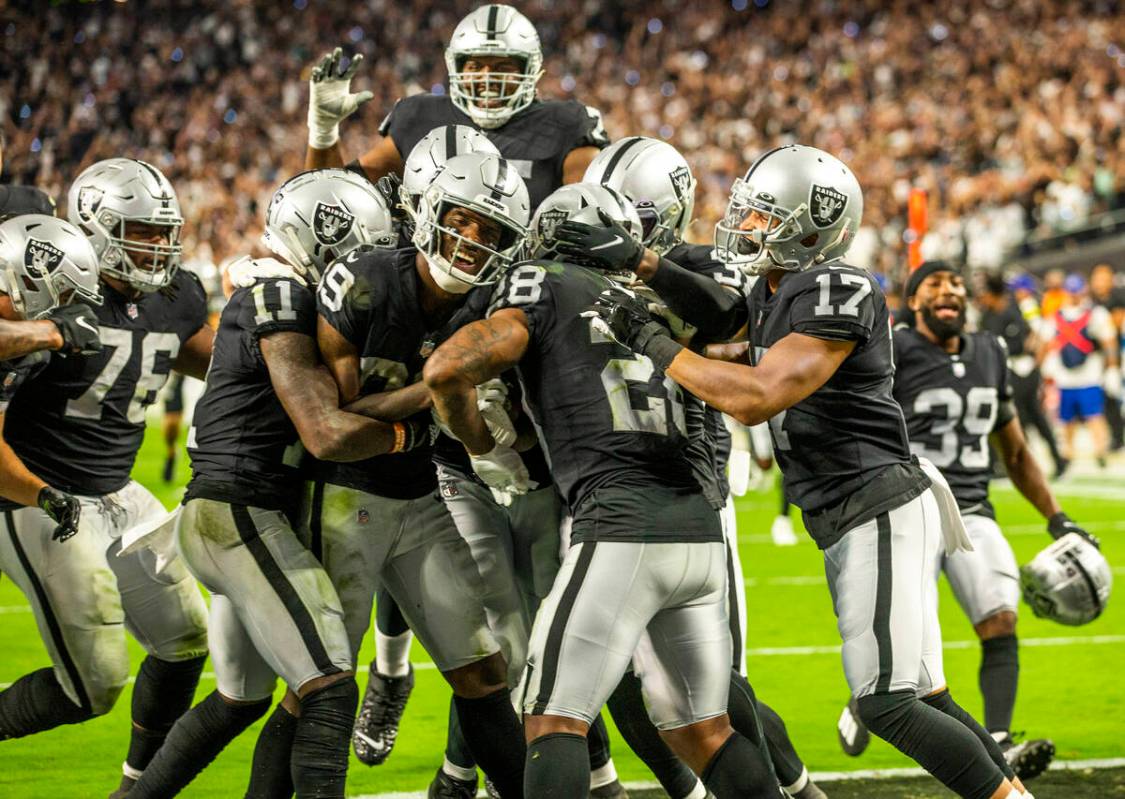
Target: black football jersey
point(612, 427)
point(15, 372)
point(536, 140)
point(952, 403)
point(836, 441)
point(243, 446)
point(79, 422)
point(372, 300)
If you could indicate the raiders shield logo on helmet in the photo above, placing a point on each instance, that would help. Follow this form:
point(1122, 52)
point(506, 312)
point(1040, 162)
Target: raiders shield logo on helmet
point(331, 223)
point(40, 258)
point(549, 222)
point(89, 198)
point(681, 181)
point(826, 205)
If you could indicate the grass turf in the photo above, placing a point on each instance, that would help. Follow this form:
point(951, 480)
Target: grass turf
point(1069, 688)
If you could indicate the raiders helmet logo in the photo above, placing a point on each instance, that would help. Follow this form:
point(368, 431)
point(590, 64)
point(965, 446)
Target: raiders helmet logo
point(331, 223)
point(40, 258)
point(89, 198)
point(681, 181)
point(549, 222)
point(826, 205)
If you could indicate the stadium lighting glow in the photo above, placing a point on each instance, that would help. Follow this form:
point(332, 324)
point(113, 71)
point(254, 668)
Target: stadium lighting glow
point(655, 26)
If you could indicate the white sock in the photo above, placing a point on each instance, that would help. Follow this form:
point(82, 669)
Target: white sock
point(1000, 736)
point(130, 772)
point(459, 772)
point(698, 792)
point(392, 653)
point(603, 776)
point(800, 784)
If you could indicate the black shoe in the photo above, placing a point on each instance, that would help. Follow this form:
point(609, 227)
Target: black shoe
point(169, 470)
point(611, 790)
point(123, 789)
point(446, 787)
point(1028, 758)
point(851, 732)
point(1061, 465)
point(379, 715)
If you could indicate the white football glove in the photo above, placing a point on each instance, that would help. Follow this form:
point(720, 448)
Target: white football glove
point(492, 398)
point(1111, 382)
point(502, 469)
point(330, 98)
point(247, 271)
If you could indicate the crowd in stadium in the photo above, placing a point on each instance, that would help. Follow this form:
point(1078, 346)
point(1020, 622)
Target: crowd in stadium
point(1013, 124)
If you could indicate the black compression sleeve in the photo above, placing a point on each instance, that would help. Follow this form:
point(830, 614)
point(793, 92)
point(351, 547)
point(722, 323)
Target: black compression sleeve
point(699, 300)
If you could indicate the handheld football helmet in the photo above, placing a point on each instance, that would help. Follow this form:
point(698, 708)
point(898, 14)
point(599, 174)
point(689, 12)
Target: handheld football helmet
point(488, 187)
point(429, 155)
point(319, 216)
point(579, 202)
point(492, 98)
point(658, 182)
point(1069, 582)
point(46, 262)
point(108, 196)
point(811, 205)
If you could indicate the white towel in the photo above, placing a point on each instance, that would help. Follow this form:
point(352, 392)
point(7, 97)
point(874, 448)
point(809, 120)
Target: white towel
point(952, 528)
point(157, 535)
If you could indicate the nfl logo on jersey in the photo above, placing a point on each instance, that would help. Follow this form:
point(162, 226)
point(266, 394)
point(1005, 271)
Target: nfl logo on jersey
point(362, 516)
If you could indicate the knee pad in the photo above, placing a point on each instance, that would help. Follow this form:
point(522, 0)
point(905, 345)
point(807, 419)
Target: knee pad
point(104, 683)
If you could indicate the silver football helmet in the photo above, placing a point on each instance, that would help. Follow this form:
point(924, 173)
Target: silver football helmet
point(492, 98)
point(490, 188)
point(429, 155)
point(809, 206)
point(658, 182)
point(579, 202)
point(46, 262)
point(110, 195)
point(1069, 582)
point(319, 216)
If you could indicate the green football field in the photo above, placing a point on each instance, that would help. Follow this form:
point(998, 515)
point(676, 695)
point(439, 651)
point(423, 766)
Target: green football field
point(1070, 690)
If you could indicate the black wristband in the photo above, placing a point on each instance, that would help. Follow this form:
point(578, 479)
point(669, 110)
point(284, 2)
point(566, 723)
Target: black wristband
point(662, 350)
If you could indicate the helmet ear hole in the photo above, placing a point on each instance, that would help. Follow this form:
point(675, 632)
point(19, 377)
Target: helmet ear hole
point(810, 240)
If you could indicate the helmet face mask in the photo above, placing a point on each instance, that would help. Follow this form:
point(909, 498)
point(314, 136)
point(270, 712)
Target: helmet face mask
point(130, 213)
point(322, 215)
point(796, 206)
point(45, 263)
point(490, 98)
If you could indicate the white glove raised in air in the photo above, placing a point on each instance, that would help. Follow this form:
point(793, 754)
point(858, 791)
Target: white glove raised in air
point(247, 271)
point(502, 469)
point(492, 399)
point(330, 98)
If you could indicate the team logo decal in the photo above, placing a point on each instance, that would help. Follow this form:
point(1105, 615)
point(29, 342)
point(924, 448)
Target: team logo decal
point(549, 222)
point(826, 205)
point(89, 198)
point(681, 181)
point(331, 223)
point(449, 489)
point(40, 258)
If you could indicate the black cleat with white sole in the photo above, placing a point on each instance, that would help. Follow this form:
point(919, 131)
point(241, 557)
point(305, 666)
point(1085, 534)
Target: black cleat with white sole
point(851, 731)
point(447, 787)
point(376, 728)
point(1028, 758)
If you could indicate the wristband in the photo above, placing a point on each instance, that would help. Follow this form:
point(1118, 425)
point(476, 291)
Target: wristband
point(323, 139)
point(400, 438)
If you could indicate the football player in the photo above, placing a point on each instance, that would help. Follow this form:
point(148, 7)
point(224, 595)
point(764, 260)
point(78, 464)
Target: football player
point(381, 314)
point(274, 611)
point(954, 389)
point(646, 552)
point(821, 373)
point(77, 424)
point(657, 179)
point(494, 61)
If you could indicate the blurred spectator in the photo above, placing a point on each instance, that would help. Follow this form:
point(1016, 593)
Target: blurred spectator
point(1008, 112)
point(1105, 293)
point(1054, 295)
point(1080, 350)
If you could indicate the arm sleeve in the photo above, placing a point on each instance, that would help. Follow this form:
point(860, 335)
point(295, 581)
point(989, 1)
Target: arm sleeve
point(529, 288)
point(699, 300)
point(837, 305)
point(277, 306)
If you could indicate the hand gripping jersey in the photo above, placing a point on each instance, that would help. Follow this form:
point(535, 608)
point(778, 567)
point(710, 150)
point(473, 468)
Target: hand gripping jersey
point(244, 448)
point(372, 300)
point(613, 429)
point(837, 446)
point(952, 403)
point(79, 422)
point(536, 140)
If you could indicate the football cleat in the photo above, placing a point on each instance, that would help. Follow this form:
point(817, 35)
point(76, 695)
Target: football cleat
point(447, 787)
point(1028, 758)
point(490, 789)
point(376, 728)
point(851, 732)
point(781, 531)
point(169, 470)
point(123, 789)
point(611, 790)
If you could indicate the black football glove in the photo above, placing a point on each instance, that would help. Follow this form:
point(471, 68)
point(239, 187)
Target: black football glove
point(1060, 524)
point(609, 248)
point(388, 187)
point(628, 320)
point(61, 507)
point(78, 326)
